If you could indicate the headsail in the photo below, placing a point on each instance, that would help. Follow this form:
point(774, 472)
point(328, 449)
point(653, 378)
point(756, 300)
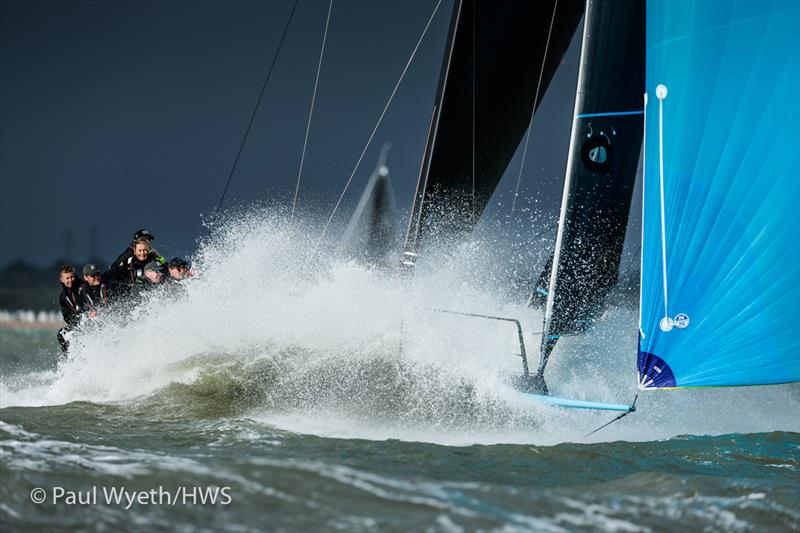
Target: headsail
point(493, 64)
point(601, 170)
point(720, 259)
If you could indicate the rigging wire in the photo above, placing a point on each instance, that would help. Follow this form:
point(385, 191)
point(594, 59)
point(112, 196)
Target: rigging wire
point(311, 110)
point(472, 215)
point(258, 103)
point(630, 410)
point(375, 129)
point(535, 103)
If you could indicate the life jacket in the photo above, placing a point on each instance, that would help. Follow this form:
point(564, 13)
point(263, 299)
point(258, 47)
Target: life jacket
point(136, 267)
point(71, 298)
point(96, 295)
point(70, 305)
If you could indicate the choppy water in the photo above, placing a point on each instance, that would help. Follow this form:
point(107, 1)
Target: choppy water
point(286, 385)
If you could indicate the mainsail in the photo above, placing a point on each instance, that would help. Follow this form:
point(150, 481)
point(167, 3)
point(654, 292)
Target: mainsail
point(720, 257)
point(371, 234)
point(601, 170)
point(499, 54)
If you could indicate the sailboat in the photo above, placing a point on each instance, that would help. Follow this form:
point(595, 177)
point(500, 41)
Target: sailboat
point(371, 235)
point(482, 110)
point(720, 262)
point(720, 267)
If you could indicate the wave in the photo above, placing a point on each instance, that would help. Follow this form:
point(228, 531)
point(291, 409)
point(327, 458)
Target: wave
point(310, 343)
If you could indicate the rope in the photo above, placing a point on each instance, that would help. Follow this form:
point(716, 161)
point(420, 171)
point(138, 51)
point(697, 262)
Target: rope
point(623, 415)
point(472, 214)
point(375, 129)
point(535, 101)
point(661, 93)
point(644, 188)
point(255, 109)
point(311, 110)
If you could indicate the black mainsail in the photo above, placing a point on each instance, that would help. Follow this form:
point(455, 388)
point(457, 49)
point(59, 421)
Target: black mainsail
point(500, 54)
point(601, 170)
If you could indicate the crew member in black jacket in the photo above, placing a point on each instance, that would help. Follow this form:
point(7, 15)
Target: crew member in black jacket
point(123, 276)
point(70, 306)
point(93, 294)
point(128, 253)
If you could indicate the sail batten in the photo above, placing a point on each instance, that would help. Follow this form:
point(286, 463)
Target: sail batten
point(731, 128)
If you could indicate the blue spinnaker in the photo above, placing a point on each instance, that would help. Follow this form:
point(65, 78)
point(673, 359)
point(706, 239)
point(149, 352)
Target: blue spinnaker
point(723, 309)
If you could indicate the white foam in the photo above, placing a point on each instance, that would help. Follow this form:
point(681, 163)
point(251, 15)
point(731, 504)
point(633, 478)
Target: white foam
point(260, 292)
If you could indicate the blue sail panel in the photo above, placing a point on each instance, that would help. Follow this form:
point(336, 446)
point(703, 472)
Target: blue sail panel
point(730, 128)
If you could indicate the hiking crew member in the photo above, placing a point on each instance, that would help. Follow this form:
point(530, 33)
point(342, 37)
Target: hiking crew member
point(178, 269)
point(128, 253)
point(123, 276)
point(154, 273)
point(94, 291)
point(70, 305)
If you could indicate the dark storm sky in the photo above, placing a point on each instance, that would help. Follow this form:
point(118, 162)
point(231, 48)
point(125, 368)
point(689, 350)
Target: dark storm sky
point(123, 115)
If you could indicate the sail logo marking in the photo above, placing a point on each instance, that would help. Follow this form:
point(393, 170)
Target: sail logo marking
point(681, 321)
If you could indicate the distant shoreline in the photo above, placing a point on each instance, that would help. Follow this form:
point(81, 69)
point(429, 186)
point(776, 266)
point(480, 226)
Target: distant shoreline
point(19, 324)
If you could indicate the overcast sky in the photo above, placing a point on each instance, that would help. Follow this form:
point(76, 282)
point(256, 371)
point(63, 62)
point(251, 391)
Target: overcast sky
point(123, 115)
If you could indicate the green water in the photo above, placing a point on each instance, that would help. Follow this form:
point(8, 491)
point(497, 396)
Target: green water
point(238, 425)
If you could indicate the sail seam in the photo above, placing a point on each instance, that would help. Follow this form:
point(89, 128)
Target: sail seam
point(610, 114)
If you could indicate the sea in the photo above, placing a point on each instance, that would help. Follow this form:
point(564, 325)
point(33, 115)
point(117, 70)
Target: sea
point(280, 392)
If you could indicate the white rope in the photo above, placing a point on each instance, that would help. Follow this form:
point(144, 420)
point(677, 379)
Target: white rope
point(661, 93)
point(375, 129)
point(644, 197)
point(311, 110)
point(530, 124)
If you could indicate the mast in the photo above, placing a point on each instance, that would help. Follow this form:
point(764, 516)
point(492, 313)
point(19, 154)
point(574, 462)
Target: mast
point(601, 170)
point(491, 69)
point(412, 233)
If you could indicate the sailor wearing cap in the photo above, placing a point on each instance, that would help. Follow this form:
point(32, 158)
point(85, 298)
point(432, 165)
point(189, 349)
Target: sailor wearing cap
point(154, 272)
point(178, 269)
point(141, 234)
point(94, 292)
